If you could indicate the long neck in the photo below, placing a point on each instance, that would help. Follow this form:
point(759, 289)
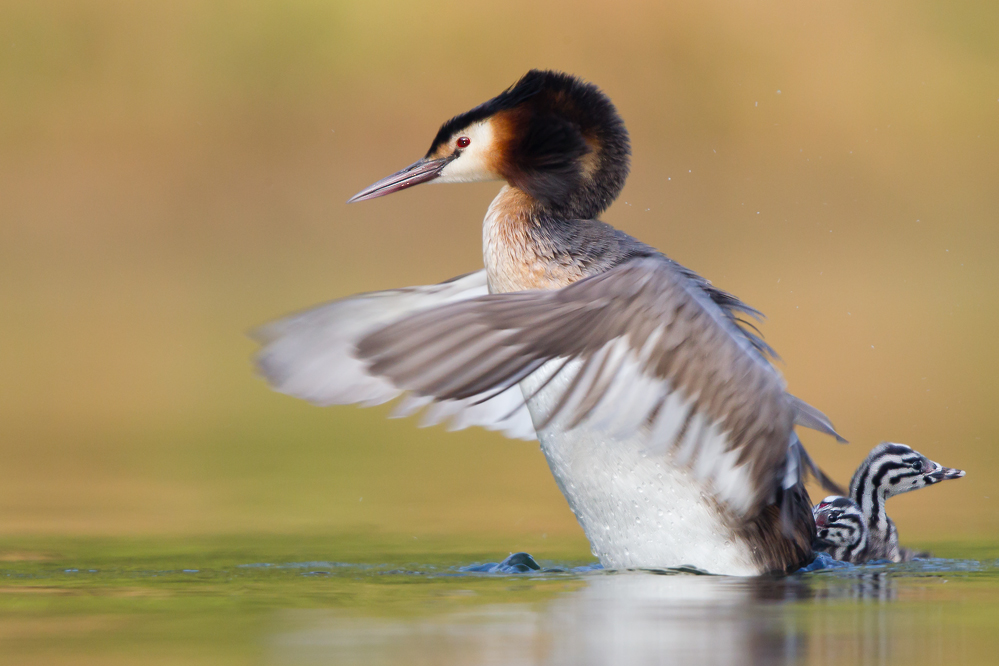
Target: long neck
point(525, 246)
point(891, 548)
point(858, 549)
point(868, 489)
point(517, 252)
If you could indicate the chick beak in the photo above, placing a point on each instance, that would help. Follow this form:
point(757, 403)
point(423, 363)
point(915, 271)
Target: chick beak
point(418, 172)
point(945, 473)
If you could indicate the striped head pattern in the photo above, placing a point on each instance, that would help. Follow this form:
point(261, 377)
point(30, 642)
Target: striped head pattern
point(841, 529)
point(892, 469)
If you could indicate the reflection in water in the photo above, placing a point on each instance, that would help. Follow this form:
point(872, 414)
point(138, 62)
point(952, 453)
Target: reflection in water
point(861, 585)
point(619, 618)
point(674, 619)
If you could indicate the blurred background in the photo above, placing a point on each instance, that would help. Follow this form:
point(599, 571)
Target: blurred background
point(173, 174)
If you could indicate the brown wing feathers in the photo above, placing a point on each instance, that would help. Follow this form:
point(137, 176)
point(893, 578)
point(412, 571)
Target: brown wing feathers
point(668, 331)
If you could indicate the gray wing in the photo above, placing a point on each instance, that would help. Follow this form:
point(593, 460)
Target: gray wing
point(640, 349)
point(312, 355)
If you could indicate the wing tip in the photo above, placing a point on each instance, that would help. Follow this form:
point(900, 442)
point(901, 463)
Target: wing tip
point(809, 417)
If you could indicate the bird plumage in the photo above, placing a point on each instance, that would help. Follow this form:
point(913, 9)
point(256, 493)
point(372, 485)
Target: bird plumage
point(841, 529)
point(558, 139)
point(663, 421)
point(857, 528)
point(311, 355)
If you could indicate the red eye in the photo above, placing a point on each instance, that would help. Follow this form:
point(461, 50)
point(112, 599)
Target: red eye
point(463, 141)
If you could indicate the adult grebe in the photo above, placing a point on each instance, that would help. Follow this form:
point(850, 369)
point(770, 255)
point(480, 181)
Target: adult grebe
point(664, 424)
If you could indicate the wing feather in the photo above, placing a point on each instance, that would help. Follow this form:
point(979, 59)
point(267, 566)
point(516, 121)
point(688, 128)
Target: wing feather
point(645, 349)
point(651, 353)
point(313, 355)
point(809, 417)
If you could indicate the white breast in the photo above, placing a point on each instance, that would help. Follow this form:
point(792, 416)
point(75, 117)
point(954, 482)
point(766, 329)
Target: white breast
point(637, 508)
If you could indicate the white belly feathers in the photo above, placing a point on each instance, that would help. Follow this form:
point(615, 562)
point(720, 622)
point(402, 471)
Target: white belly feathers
point(637, 507)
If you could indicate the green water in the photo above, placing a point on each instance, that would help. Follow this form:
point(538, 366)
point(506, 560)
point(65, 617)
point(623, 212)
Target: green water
point(357, 599)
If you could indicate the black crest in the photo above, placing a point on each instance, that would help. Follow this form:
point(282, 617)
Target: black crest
point(568, 147)
point(528, 86)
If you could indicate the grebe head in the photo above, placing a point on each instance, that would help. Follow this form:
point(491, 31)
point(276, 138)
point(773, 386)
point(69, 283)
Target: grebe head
point(892, 469)
point(551, 135)
point(839, 522)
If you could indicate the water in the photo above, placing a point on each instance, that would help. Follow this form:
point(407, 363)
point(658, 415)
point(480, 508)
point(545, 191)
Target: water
point(121, 602)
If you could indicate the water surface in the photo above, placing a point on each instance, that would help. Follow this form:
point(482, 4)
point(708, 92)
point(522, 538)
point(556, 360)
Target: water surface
point(125, 602)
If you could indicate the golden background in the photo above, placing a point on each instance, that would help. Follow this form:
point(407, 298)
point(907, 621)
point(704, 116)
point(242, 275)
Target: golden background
point(173, 174)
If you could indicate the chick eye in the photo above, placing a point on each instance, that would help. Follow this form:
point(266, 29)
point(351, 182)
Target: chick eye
point(918, 465)
point(463, 141)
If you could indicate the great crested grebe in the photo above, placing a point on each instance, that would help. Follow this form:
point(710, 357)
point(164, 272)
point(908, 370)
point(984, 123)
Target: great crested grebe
point(662, 419)
point(840, 529)
point(857, 528)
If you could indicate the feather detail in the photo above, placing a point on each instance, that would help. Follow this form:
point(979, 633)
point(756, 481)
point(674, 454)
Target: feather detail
point(312, 355)
point(650, 354)
point(808, 417)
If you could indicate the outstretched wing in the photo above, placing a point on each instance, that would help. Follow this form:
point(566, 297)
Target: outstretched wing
point(312, 355)
point(638, 350)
